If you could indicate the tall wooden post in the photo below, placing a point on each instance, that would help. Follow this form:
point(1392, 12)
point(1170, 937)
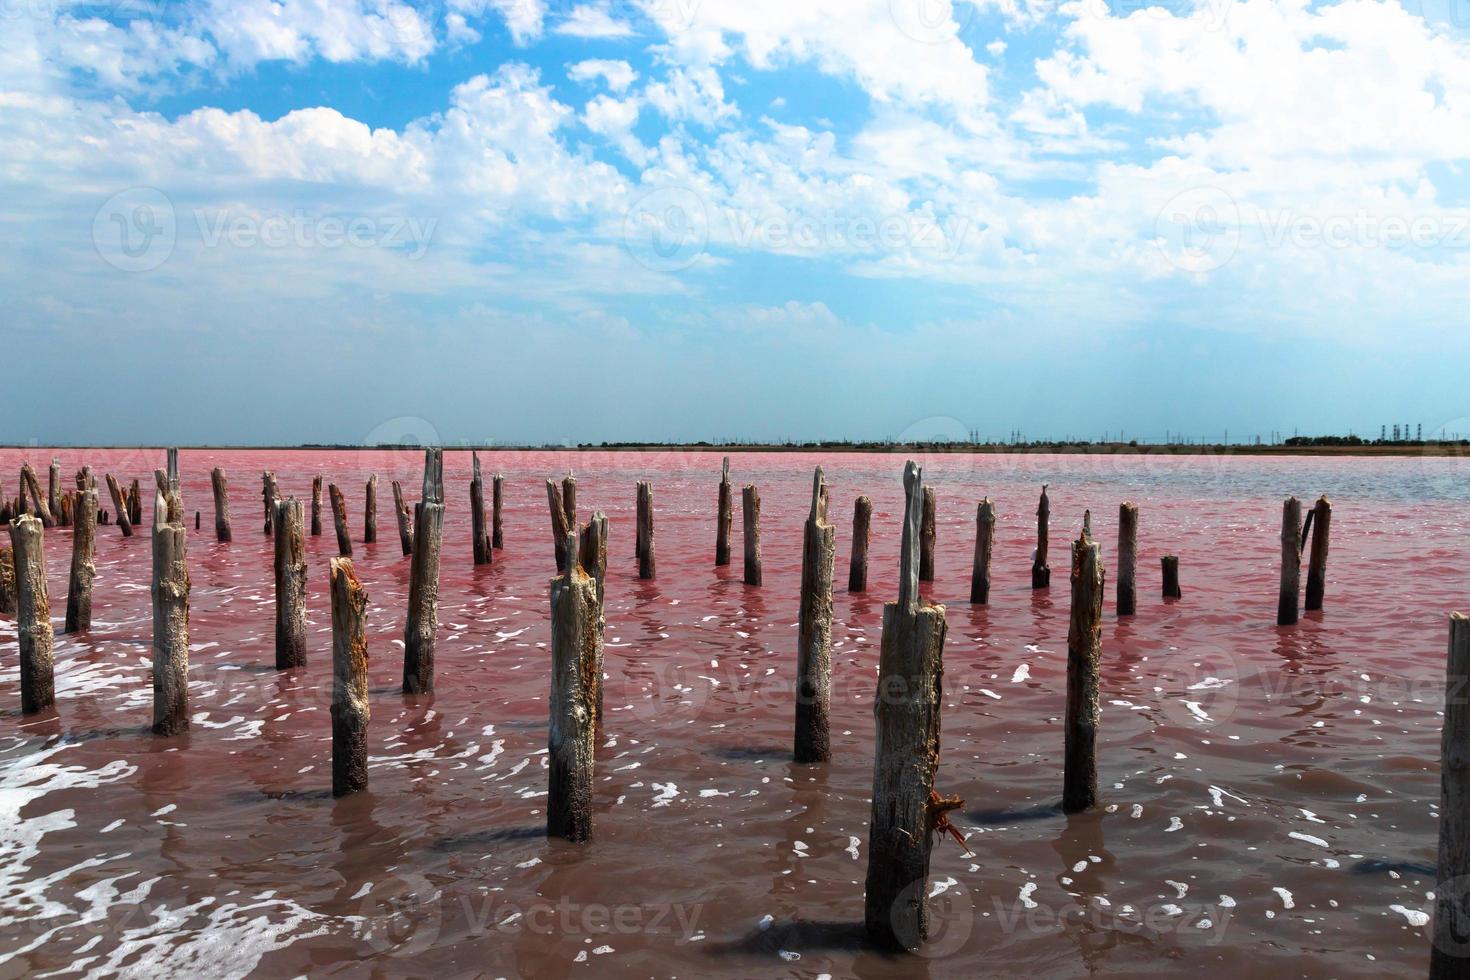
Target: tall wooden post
point(83, 569)
point(1084, 655)
point(120, 506)
point(1291, 562)
point(569, 500)
point(370, 512)
point(724, 516)
point(926, 536)
point(645, 531)
point(906, 810)
point(339, 520)
point(592, 554)
point(33, 615)
point(1171, 577)
point(1040, 570)
point(1127, 558)
point(862, 520)
point(350, 712)
point(269, 494)
point(405, 519)
point(750, 502)
point(483, 552)
point(1450, 954)
point(1317, 564)
point(38, 502)
point(221, 485)
point(53, 488)
point(423, 580)
point(984, 545)
point(290, 543)
point(7, 579)
point(575, 639)
point(814, 631)
point(497, 535)
point(559, 527)
point(170, 620)
point(135, 504)
point(316, 506)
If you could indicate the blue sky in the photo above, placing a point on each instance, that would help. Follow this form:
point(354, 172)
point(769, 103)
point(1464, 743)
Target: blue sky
point(556, 221)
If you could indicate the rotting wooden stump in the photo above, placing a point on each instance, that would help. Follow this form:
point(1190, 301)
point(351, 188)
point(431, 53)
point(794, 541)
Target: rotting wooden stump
point(7, 580)
point(38, 503)
point(269, 494)
point(592, 554)
point(1170, 565)
point(1127, 558)
point(120, 506)
point(484, 553)
point(221, 486)
point(862, 521)
point(497, 491)
point(405, 519)
point(316, 506)
point(724, 516)
point(1321, 523)
point(32, 615)
point(646, 564)
point(1084, 656)
point(750, 505)
point(984, 545)
point(927, 533)
point(813, 741)
point(290, 568)
point(135, 504)
point(350, 714)
point(1040, 570)
point(569, 500)
point(370, 511)
point(423, 580)
point(559, 526)
point(1450, 953)
point(339, 520)
point(83, 568)
point(53, 490)
point(906, 809)
point(575, 642)
point(1291, 562)
point(170, 589)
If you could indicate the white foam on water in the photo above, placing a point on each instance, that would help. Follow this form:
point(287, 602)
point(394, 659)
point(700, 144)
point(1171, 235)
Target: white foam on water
point(1308, 838)
point(1415, 917)
point(1286, 898)
point(1021, 674)
point(1026, 891)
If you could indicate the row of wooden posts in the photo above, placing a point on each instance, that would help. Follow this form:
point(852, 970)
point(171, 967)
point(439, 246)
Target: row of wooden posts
point(907, 810)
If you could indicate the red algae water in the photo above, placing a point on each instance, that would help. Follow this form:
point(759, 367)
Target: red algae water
point(1269, 795)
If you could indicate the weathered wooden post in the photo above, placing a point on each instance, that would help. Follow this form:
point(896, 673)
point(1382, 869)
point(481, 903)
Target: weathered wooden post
point(405, 520)
point(316, 505)
point(170, 620)
point(1170, 565)
point(370, 512)
point(1291, 562)
point(33, 615)
point(569, 500)
point(350, 712)
point(7, 580)
point(1040, 571)
point(814, 631)
point(290, 543)
point(135, 504)
point(120, 505)
point(423, 580)
point(592, 553)
point(750, 503)
point(724, 516)
point(575, 639)
point(559, 526)
point(53, 489)
point(862, 521)
point(339, 519)
point(984, 545)
point(1317, 564)
point(38, 503)
point(1450, 953)
point(926, 536)
point(83, 569)
point(1127, 558)
point(221, 484)
point(906, 812)
point(497, 485)
point(480, 536)
point(645, 531)
point(269, 494)
point(1084, 655)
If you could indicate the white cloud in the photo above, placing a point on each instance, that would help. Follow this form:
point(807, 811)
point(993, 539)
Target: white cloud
point(617, 74)
point(589, 21)
point(523, 18)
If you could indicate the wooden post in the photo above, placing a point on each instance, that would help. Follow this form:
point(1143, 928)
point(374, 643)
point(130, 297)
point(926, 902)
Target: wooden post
point(1291, 561)
point(575, 639)
point(814, 631)
point(33, 615)
point(497, 485)
point(7, 580)
point(135, 504)
point(569, 500)
point(350, 712)
point(1040, 571)
point(906, 809)
point(370, 512)
point(38, 503)
point(53, 488)
point(1450, 953)
point(724, 516)
point(1171, 577)
point(83, 570)
point(269, 494)
point(316, 506)
point(984, 545)
point(645, 531)
point(1317, 564)
point(405, 520)
point(120, 505)
point(1084, 655)
point(339, 518)
point(423, 580)
point(592, 554)
point(221, 484)
point(290, 567)
point(862, 520)
point(750, 503)
point(559, 527)
point(926, 536)
point(170, 621)
point(484, 553)
point(1127, 558)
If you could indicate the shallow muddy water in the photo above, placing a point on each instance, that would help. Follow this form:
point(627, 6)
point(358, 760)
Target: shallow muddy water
point(1269, 794)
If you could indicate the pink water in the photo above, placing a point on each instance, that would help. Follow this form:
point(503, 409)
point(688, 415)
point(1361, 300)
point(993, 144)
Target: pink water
point(1269, 793)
